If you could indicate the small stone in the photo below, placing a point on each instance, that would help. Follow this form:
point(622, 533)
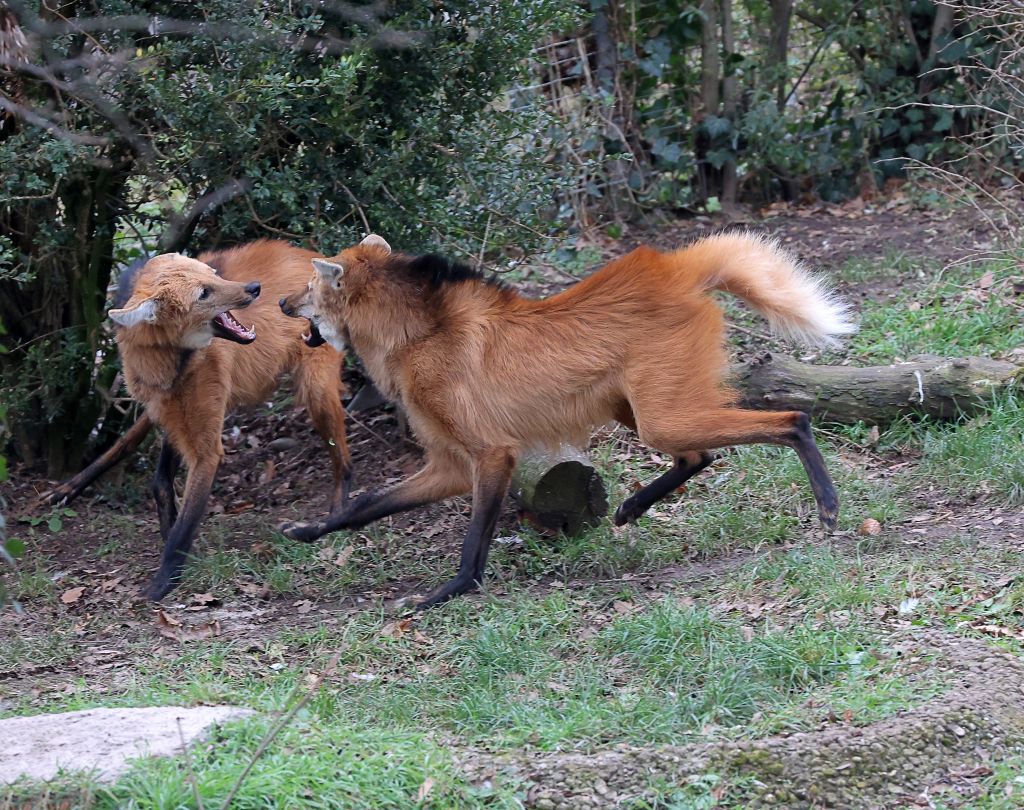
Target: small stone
point(282, 444)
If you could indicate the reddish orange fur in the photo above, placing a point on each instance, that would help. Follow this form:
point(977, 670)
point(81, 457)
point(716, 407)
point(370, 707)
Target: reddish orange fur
point(189, 393)
point(484, 373)
point(226, 375)
point(485, 367)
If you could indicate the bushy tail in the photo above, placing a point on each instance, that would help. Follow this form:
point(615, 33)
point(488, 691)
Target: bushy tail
point(795, 303)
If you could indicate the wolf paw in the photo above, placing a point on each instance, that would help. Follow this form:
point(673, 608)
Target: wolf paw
point(627, 513)
point(828, 513)
point(159, 588)
point(829, 521)
point(303, 532)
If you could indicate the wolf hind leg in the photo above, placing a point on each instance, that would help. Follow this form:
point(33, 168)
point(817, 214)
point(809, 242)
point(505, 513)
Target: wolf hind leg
point(163, 487)
point(320, 389)
point(685, 467)
point(713, 428)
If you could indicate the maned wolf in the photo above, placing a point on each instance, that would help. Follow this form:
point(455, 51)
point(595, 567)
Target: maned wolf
point(186, 359)
point(484, 373)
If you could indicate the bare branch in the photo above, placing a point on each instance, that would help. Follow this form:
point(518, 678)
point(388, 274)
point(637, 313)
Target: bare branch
point(30, 116)
point(180, 229)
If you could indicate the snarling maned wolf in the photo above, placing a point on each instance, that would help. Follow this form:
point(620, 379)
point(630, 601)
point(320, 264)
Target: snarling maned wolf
point(484, 373)
point(187, 358)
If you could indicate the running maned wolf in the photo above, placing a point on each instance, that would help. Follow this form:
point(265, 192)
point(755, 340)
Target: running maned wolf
point(186, 358)
point(483, 373)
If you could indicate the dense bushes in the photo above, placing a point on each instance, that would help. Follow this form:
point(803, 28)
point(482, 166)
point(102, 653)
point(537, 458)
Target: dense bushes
point(760, 99)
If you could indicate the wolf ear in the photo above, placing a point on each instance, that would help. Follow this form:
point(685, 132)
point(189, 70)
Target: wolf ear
point(329, 270)
point(143, 312)
point(376, 241)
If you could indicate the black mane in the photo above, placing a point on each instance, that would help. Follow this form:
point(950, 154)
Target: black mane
point(438, 271)
point(126, 282)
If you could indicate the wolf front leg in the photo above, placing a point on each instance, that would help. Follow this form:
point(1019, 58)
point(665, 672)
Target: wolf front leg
point(183, 533)
point(443, 477)
point(163, 487)
point(492, 475)
point(193, 430)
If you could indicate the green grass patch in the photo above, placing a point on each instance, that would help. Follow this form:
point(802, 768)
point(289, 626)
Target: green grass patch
point(310, 765)
point(983, 455)
point(551, 671)
point(957, 315)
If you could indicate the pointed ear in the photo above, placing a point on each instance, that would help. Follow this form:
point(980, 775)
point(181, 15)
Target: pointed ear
point(376, 241)
point(143, 312)
point(329, 270)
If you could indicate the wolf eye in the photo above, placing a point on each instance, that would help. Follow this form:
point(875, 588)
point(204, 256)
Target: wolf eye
point(204, 293)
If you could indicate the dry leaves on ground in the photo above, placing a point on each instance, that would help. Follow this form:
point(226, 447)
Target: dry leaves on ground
point(175, 629)
point(69, 597)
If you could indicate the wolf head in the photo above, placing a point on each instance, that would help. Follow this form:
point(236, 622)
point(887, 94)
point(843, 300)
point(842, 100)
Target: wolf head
point(182, 302)
point(326, 300)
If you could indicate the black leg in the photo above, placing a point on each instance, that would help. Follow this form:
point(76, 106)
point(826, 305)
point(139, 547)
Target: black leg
point(183, 532)
point(684, 468)
point(814, 465)
point(163, 487)
point(436, 481)
point(342, 490)
point(493, 477)
point(65, 493)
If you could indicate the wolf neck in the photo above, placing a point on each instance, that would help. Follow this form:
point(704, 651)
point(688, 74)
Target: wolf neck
point(152, 371)
point(396, 324)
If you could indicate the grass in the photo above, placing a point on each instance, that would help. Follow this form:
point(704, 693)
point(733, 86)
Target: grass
point(550, 673)
point(980, 456)
point(970, 310)
point(311, 765)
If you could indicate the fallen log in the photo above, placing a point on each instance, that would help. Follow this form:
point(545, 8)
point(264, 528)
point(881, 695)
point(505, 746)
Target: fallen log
point(936, 387)
point(560, 491)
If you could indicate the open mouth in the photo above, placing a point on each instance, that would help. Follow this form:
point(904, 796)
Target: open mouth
point(228, 327)
point(313, 338)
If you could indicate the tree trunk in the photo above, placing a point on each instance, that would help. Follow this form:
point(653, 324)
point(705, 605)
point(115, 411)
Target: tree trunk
point(560, 492)
point(729, 179)
point(941, 26)
point(935, 387)
point(778, 48)
point(709, 177)
point(606, 59)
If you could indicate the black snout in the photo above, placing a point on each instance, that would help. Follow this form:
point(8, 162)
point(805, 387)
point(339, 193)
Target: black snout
point(253, 289)
point(283, 303)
